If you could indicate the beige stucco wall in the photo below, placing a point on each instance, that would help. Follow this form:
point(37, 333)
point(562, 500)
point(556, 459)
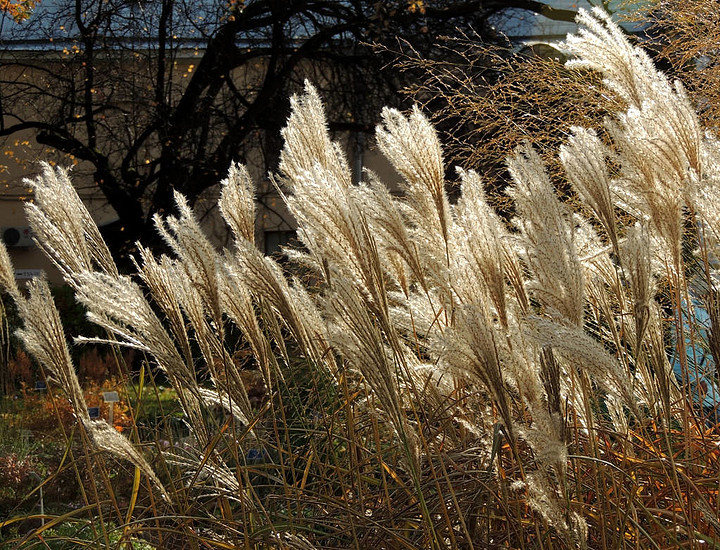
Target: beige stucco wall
point(22, 156)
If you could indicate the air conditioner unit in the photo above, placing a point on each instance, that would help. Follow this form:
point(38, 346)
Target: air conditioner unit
point(18, 236)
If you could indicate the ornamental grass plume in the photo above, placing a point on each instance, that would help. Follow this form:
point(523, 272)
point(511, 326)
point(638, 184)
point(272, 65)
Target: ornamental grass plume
point(63, 227)
point(548, 239)
point(66, 232)
point(118, 305)
point(237, 202)
point(584, 161)
point(637, 259)
point(402, 255)
point(601, 45)
point(658, 136)
point(248, 270)
point(338, 237)
point(412, 146)
point(483, 243)
point(439, 377)
point(471, 351)
point(7, 274)
point(44, 339)
point(159, 275)
point(308, 142)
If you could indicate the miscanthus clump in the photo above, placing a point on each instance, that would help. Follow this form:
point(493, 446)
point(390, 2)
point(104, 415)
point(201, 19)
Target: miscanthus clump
point(453, 373)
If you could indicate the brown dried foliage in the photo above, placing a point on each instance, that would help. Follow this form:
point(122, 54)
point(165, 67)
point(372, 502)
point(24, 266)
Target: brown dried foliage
point(486, 100)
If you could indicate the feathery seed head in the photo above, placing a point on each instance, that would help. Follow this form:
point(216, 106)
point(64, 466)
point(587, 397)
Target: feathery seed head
point(7, 274)
point(107, 439)
point(412, 146)
point(583, 158)
point(548, 238)
point(583, 352)
point(307, 141)
point(661, 151)
point(237, 202)
point(478, 244)
point(197, 258)
point(600, 45)
point(63, 227)
point(356, 336)
point(118, 304)
point(44, 338)
point(637, 260)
